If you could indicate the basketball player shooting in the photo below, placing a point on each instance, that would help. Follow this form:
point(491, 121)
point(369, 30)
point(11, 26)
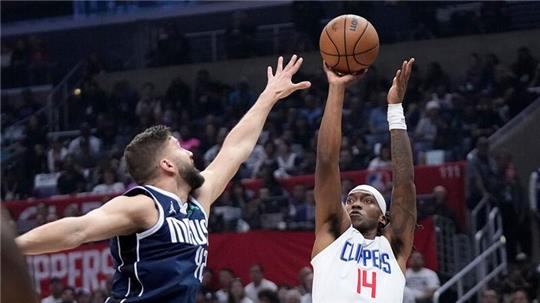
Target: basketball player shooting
point(158, 230)
point(356, 256)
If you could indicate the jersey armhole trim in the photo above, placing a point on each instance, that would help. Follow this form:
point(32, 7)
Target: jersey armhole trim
point(161, 217)
point(314, 259)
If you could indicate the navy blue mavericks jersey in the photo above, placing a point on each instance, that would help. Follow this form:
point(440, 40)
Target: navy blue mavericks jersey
point(164, 263)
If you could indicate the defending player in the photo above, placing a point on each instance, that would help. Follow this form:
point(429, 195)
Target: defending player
point(158, 230)
point(355, 258)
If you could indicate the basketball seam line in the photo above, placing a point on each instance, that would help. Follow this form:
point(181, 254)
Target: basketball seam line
point(345, 43)
point(330, 38)
point(363, 32)
point(355, 54)
point(357, 61)
point(361, 35)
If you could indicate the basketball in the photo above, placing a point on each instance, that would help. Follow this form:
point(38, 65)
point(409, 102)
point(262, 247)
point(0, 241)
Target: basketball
point(349, 44)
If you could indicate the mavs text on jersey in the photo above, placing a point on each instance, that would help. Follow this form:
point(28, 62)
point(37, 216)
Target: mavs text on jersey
point(164, 263)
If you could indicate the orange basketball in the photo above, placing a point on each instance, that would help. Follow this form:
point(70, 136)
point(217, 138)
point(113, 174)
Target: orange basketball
point(349, 44)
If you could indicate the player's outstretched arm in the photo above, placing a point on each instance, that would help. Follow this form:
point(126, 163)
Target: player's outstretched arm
point(331, 218)
point(403, 207)
point(240, 142)
point(120, 216)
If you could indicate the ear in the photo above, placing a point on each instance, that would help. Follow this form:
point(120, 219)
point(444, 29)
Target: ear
point(167, 166)
point(383, 220)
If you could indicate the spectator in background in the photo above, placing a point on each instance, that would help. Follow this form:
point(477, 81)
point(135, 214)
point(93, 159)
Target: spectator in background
point(515, 280)
point(94, 142)
point(149, 105)
point(84, 296)
point(99, 296)
point(56, 288)
point(422, 281)
point(440, 197)
point(188, 140)
point(179, 93)
point(68, 295)
point(525, 65)
point(237, 293)
point(106, 130)
point(206, 283)
point(299, 210)
point(304, 286)
point(226, 277)
point(473, 75)
point(311, 110)
point(287, 161)
point(489, 295)
point(207, 96)
point(360, 152)
point(382, 160)
point(258, 282)
point(109, 184)
point(520, 296)
point(513, 207)
point(257, 157)
point(293, 296)
point(378, 126)
point(241, 97)
point(35, 133)
point(482, 177)
point(268, 296)
point(123, 99)
point(346, 160)
point(212, 152)
point(434, 77)
point(56, 155)
point(84, 155)
point(426, 130)
point(71, 180)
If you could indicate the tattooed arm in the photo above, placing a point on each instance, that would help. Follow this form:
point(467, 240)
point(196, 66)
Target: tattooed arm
point(403, 208)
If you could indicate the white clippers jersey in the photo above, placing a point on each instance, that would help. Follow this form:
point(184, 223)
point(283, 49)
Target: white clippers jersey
point(355, 269)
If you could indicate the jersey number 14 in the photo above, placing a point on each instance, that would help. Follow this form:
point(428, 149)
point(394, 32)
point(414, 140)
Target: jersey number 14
point(363, 283)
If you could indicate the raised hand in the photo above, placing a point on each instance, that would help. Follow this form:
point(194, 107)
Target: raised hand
point(399, 83)
point(343, 80)
point(280, 84)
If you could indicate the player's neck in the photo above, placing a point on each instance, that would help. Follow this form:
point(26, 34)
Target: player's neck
point(370, 234)
point(182, 190)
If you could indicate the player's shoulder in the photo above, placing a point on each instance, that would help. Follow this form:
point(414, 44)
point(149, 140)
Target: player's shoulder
point(134, 203)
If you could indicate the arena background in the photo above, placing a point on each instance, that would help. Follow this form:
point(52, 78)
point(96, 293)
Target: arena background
point(114, 67)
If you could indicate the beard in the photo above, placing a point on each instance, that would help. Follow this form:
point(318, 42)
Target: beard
point(192, 176)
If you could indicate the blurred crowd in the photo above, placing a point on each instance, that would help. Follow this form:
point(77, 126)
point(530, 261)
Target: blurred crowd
point(520, 285)
point(442, 116)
